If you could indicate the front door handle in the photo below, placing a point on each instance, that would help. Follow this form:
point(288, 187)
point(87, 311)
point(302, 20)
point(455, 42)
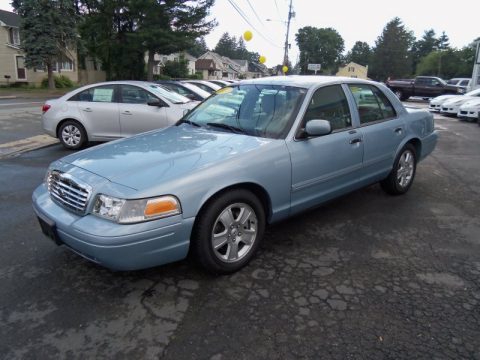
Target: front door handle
point(87, 110)
point(399, 130)
point(356, 140)
point(126, 112)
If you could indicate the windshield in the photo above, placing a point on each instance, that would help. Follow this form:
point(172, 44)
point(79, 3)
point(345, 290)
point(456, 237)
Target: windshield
point(197, 90)
point(258, 110)
point(169, 95)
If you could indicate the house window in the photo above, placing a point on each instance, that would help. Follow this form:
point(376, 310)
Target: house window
point(351, 69)
point(14, 36)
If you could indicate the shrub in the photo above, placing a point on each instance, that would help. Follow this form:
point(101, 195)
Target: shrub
point(161, 77)
point(60, 82)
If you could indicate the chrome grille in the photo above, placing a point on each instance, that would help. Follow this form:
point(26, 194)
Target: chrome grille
point(68, 192)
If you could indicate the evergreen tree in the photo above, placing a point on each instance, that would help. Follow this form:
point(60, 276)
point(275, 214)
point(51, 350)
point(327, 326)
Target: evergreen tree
point(423, 47)
point(319, 46)
point(199, 47)
point(47, 30)
point(360, 54)
point(391, 56)
point(226, 46)
point(443, 42)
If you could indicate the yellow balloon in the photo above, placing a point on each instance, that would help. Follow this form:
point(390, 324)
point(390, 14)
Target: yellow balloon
point(247, 35)
point(284, 69)
point(262, 59)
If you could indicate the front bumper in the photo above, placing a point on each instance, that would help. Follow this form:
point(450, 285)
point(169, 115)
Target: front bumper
point(450, 110)
point(468, 113)
point(115, 246)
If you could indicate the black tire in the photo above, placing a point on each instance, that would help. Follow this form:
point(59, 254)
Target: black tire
point(392, 184)
point(401, 95)
point(72, 135)
point(209, 222)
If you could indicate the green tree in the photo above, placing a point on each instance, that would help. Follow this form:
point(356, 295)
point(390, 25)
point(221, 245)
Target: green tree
point(176, 69)
point(391, 56)
point(120, 32)
point(448, 63)
point(227, 46)
point(423, 47)
point(47, 30)
point(361, 53)
point(199, 47)
point(320, 46)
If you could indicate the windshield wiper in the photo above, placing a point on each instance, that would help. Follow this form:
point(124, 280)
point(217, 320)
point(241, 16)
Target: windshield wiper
point(227, 127)
point(184, 121)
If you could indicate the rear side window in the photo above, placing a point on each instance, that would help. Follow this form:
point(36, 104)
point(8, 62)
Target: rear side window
point(329, 103)
point(372, 104)
point(96, 94)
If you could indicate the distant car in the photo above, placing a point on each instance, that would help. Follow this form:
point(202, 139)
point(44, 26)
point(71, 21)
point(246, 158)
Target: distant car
point(253, 154)
point(111, 110)
point(188, 90)
point(221, 83)
point(469, 110)
point(452, 106)
point(204, 85)
point(437, 102)
point(462, 83)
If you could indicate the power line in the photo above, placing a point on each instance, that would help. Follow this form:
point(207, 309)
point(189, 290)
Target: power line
point(278, 10)
point(256, 15)
point(242, 14)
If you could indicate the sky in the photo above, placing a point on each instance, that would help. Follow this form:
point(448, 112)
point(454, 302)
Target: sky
point(354, 21)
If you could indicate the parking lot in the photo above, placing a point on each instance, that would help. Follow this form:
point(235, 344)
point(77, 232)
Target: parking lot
point(367, 276)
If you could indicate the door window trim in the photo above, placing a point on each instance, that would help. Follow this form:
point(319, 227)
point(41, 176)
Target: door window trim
point(120, 95)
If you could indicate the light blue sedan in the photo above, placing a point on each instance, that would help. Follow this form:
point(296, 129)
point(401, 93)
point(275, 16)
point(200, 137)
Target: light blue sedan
point(253, 154)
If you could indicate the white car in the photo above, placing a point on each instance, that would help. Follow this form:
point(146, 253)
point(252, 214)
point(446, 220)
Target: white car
point(112, 110)
point(204, 85)
point(452, 106)
point(470, 110)
point(437, 102)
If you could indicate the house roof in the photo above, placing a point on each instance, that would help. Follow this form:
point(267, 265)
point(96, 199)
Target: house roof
point(255, 67)
point(241, 62)
point(9, 18)
point(205, 64)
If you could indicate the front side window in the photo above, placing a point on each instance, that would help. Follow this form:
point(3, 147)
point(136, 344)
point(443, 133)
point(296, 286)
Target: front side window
point(135, 95)
point(372, 104)
point(329, 103)
point(96, 94)
point(258, 110)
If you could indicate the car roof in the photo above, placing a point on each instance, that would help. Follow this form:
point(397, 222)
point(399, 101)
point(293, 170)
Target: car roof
point(304, 81)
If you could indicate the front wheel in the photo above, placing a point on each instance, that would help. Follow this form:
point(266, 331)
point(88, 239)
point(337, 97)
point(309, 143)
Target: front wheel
point(228, 231)
point(401, 177)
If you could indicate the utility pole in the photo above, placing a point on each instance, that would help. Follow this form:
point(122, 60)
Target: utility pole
point(290, 15)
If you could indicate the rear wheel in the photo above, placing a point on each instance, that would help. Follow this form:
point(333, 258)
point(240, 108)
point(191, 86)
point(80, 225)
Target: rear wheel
point(72, 135)
point(401, 177)
point(401, 95)
point(229, 231)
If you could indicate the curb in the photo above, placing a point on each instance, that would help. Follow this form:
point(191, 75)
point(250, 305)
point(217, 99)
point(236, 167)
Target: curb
point(8, 97)
point(18, 147)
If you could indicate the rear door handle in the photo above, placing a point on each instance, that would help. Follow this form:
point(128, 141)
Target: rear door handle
point(356, 140)
point(87, 110)
point(126, 112)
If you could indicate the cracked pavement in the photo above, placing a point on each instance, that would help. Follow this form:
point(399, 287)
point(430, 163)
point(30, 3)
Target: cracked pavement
point(365, 276)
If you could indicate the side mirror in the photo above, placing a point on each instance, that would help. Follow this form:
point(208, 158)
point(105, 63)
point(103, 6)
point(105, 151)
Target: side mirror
point(318, 128)
point(156, 103)
point(190, 96)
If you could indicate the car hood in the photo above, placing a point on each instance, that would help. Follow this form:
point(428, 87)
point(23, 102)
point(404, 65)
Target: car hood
point(459, 100)
point(163, 155)
point(471, 102)
point(442, 98)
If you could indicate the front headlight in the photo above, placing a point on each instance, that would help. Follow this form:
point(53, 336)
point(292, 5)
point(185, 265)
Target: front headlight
point(133, 211)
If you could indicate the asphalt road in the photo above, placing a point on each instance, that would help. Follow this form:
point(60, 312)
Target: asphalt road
point(19, 119)
point(368, 276)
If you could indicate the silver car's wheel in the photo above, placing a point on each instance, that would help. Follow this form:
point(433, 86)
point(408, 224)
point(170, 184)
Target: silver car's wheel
point(234, 232)
point(72, 135)
point(405, 168)
point(228, 231)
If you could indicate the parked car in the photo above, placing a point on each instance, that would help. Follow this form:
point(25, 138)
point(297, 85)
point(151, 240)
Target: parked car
point(463, 84)
point(185, 89)
point(452, 106)
point(111, 110)
point(422, 86)
point(469, 110)
point(436, 103)
point(252, 155)
point(221, 83)
point(204, 85)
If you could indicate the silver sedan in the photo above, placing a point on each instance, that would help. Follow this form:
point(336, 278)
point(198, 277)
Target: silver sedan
point(112, 110)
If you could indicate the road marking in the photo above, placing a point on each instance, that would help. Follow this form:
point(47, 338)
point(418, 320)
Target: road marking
point(24, 103)
point(28, 144)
